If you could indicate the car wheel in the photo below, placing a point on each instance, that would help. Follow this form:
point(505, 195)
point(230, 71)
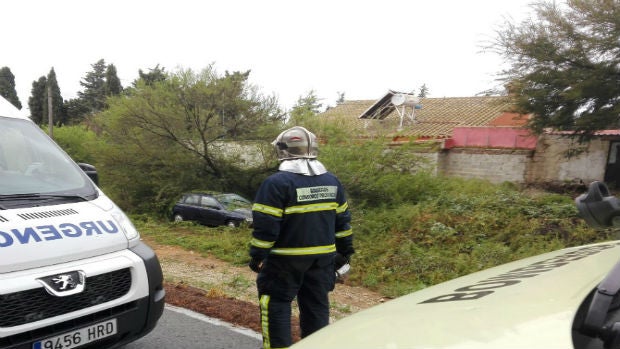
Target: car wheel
point(232, 224)
point(178, 218)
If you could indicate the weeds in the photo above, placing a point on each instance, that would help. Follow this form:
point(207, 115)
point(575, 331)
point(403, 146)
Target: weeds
point(240, 281)
point(403, 248)
point(345, 309)
point(413, 230)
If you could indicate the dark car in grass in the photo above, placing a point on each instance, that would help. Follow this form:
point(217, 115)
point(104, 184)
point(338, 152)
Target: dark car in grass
point(213, 209)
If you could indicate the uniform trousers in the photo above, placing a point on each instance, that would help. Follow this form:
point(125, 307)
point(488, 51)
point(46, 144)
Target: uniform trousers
point(282, 278)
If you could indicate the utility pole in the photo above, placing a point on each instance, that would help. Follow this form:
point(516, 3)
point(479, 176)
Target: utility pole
point(49, 111)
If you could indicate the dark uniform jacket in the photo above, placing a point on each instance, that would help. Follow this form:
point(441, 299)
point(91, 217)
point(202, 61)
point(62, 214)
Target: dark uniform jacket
point(290, 211)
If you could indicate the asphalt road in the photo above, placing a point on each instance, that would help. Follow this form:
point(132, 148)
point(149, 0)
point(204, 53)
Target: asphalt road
point(180, 328)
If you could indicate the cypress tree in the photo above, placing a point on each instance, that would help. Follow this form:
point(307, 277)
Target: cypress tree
point(94, 85)
point(113, 85)
point(7, 87)
point(36, 102)
point(59, 117)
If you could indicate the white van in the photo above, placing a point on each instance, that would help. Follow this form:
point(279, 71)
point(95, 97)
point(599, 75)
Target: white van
point(563, 299)
point(73, 271)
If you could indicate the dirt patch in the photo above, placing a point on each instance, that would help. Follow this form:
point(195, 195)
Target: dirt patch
point(215, 288)
point(234, 311)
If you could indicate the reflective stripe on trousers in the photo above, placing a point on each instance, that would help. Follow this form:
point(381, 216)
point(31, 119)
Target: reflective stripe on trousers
point(265, 302)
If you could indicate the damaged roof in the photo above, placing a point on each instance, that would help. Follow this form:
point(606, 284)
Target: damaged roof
point(436, 118)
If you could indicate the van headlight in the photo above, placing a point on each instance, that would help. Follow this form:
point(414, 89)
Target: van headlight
point(125, 223)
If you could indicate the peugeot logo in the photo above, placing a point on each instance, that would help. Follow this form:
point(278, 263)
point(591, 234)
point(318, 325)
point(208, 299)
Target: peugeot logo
point(65, 284)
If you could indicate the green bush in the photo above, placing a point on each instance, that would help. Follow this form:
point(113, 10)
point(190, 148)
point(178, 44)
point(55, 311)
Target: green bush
point(79, 142)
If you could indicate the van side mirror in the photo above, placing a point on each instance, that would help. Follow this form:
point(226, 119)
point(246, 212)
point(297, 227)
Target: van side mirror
point(598, 207)
point(90, 171)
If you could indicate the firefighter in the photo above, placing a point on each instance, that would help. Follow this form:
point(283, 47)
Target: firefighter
point(301, 230)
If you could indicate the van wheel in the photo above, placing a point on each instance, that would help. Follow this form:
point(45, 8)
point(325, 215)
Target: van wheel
point(178, 218)
point(231, 224)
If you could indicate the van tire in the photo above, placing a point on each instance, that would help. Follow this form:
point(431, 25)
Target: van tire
point(178, 218)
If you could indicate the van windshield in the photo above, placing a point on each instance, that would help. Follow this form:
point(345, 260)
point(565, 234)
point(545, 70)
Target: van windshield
point(34, 168)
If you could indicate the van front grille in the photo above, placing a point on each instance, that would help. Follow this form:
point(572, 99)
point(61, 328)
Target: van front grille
point(37, 304)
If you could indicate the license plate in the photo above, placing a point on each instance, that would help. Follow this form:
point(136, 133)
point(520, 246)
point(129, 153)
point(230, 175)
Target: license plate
point(78, 337)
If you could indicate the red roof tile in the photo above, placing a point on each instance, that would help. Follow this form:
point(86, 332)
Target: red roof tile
point(436, 119)
point(510, 119)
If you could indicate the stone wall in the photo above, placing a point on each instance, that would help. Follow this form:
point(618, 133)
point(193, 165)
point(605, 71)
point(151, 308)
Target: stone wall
point(550, 163)
point(494, 165)
point(547, 163)
point(249, 154)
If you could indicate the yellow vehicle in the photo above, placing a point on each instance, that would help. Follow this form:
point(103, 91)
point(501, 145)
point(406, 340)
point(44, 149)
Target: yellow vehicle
point(563, 299)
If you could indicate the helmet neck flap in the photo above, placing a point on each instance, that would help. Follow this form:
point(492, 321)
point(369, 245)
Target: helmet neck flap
point(306, 167)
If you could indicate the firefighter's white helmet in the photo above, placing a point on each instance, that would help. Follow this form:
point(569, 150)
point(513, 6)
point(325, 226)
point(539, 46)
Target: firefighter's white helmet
point(296, 143)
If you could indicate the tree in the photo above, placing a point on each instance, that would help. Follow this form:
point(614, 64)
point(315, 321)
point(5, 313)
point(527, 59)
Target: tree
point(564, 65)
point(176, 130)
point(340, 98)
point(58, 112)
point(7, 87)
point(305, 109)
point(75, 110)
point(37, 102)
point(112, 86)
point(99, 84)
point(154, 75)
point(94, 83)
point(423, 91)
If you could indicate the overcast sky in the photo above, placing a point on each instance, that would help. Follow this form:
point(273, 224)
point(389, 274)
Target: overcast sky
point(361, 48)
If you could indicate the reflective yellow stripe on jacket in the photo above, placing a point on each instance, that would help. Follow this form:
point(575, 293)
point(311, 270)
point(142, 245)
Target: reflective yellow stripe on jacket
point(270, 210)
point(293, 251)
point(278, 212)
point(261, 243)
point(342, 207)
point(299, 251)
point(326, 206)
point(302, 251)
point(344, 233)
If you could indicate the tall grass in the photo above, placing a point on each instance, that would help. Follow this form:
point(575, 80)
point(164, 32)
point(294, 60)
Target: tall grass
point(228, 244)
point(465, 227)
point(461, 227)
